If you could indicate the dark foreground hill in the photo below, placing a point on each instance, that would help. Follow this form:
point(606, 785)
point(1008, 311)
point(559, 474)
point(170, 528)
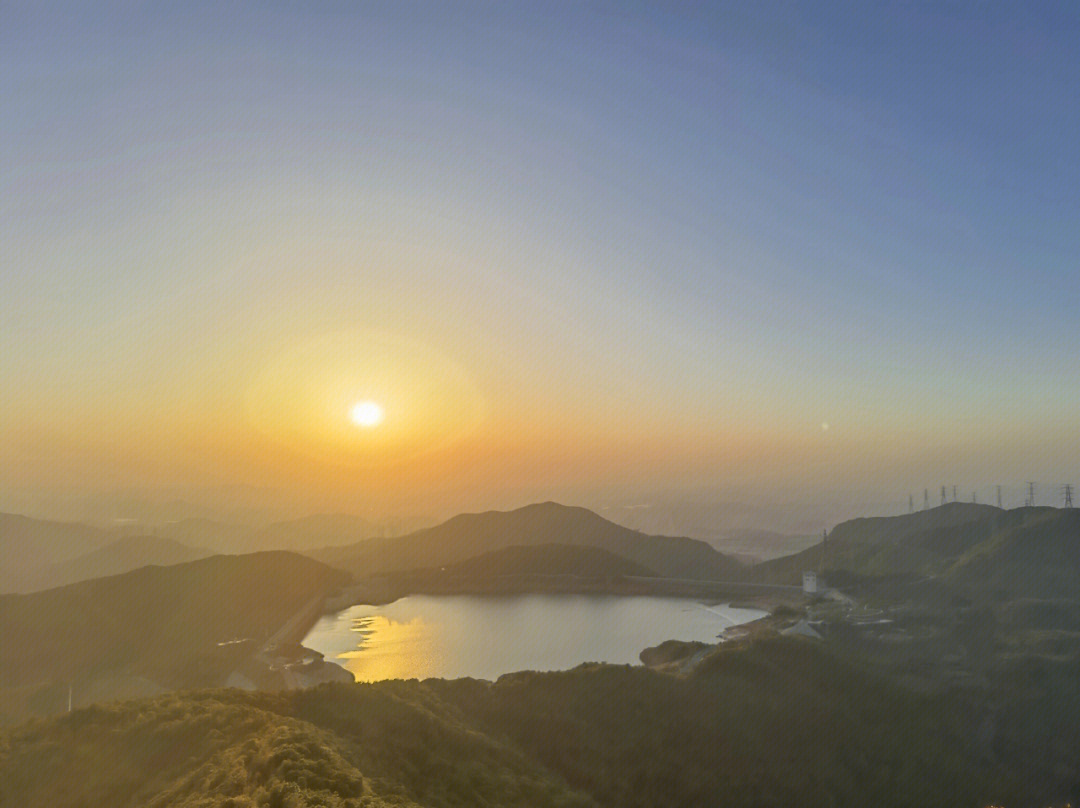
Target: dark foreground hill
point(470, 535)
point(979, 551)
point(773, 724)
point(162, 623)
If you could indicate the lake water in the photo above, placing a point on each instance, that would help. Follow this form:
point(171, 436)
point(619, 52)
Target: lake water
point(451, 636)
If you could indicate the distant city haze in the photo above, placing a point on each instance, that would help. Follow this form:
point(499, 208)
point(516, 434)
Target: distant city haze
point(405, 261)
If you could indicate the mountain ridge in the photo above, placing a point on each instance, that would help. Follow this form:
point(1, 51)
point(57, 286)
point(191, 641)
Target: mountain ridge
point(467, 535)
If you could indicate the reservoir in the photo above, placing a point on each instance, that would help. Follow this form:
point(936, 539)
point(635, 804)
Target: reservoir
point(483, 637)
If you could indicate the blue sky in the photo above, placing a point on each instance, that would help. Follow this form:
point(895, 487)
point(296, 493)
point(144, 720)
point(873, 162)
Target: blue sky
point(696, 224)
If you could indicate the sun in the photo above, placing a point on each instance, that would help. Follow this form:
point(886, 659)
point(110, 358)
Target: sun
point(366, 414)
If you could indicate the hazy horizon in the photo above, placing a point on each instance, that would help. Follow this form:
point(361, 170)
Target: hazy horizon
point(582, 253)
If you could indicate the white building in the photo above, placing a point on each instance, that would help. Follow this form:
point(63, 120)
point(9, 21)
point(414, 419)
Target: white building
point(809, 583)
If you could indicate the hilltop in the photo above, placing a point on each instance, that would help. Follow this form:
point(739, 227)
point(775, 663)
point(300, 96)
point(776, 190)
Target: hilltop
point(979, 550)
point(469, 535)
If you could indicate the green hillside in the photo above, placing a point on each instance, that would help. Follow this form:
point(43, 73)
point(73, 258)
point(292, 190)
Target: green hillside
point(776, 723)
point(470, 535)
point(547, 559)
point(977, 550)
point(162, 623)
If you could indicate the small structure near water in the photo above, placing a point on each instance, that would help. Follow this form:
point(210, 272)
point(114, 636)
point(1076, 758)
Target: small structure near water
point(802, 629)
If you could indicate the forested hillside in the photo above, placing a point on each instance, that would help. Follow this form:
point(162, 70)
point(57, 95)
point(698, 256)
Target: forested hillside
point(774, 723)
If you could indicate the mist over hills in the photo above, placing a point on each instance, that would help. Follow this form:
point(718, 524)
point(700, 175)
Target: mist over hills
point(770, 720)
point(27, 545)
point(469, 535)
point(41, 554)
point(312, 532)
point(124, 554)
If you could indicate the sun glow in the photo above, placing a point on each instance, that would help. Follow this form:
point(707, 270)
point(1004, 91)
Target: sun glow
point(366, 414)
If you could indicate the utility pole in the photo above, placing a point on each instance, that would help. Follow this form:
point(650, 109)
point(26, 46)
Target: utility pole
point(999, 495)
point(1068, 496)
point(942, 495)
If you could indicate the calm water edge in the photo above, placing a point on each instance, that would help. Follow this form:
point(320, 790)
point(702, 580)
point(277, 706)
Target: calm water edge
point(451, 636)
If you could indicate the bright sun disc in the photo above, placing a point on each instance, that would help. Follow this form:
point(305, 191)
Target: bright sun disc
point(366, 413)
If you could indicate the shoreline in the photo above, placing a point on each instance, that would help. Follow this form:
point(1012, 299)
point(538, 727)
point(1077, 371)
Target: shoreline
point(386, 589)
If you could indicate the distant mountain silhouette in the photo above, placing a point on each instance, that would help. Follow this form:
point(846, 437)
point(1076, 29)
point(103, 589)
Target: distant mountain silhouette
point(200, 532)
point(297, 535)
point(469, 535)
point(27, 545)
point(311, 533)
point(122, 555)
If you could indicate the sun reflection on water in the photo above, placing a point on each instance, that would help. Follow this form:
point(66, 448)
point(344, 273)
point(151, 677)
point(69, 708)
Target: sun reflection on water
point(391, 649)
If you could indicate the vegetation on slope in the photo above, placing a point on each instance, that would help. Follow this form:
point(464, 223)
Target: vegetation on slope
point(548, 559)
point(159, 622)
point(774, 723)
point(470, 535)
point(978, 551)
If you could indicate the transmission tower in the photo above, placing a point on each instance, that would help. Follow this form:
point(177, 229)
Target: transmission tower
point(999, 495)
point(942, 495)
point(910, 504)
point(1068, 496)
point(974, 498)
point(925, 498)
point(1031, 494)
point(954, 493)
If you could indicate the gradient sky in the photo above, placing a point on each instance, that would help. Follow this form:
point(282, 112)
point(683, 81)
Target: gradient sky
point(568, 246)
